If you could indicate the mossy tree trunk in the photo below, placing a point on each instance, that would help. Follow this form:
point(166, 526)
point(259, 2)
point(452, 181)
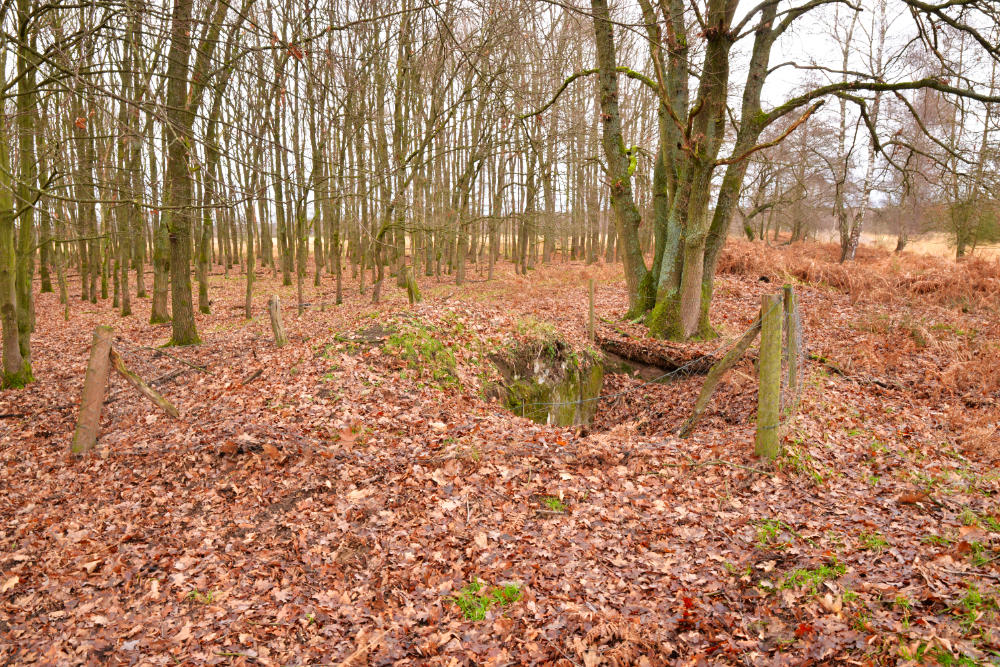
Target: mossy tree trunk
point(25, 192)
point(179, 194)
point(627, 216)
point(185, 88)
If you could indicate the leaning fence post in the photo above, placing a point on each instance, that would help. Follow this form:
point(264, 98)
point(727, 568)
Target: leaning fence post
point(274, 310)
point(715, 374)
point(92, 398)
point(792, 324)
point(769, 377)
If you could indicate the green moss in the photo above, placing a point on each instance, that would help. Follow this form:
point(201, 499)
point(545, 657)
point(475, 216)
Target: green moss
point(424, 353)
point(528, 398)
point(546, 381)
point(647, 294)
point(196, 340)
point(664, 320)
point(17, 380)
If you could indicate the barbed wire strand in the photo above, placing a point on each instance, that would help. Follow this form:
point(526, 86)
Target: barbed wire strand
point(655, 380)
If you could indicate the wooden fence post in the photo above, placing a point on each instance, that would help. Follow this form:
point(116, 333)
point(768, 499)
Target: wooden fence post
point(792, 331)
point(274, 310)
point(412, 289)
point(92, 398)
point(769, 378)
point(590, 320)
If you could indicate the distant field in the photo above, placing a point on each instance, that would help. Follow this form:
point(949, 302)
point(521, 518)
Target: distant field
point(925, 244)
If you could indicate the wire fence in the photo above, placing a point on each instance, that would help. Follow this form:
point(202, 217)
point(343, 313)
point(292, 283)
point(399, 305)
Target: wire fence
point(714, 355)
point(794, 346)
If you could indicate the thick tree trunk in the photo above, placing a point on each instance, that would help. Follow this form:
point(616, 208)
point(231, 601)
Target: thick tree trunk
point(627, 217)
point(178, 177)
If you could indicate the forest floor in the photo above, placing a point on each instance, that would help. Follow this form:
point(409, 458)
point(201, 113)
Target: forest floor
point(333, 501)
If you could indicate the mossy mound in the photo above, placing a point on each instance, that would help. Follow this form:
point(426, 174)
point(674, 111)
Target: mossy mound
point(545, 380)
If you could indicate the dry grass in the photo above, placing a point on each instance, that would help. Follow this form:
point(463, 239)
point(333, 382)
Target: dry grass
point(876, 275)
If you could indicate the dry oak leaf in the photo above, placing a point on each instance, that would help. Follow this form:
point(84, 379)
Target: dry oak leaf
point(271, 451)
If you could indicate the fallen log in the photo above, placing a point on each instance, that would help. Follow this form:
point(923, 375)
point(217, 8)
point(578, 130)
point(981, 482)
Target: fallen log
point(665, 356)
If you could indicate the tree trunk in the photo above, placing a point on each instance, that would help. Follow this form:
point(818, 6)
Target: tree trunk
point(627, 217)
point(180, 121)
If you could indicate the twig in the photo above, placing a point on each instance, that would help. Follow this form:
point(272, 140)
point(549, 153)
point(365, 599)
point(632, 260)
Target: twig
point(158, 350)
point(966, 573)
point(349, 660)
point(715, 462)
point(253, 376)
point(556, 647)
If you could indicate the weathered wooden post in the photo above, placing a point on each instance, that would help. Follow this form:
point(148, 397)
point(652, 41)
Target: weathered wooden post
point(792, 331)
point(274, 310)
point(590, 320)
point(769, 378)
point(92, 398)
point(412, 290)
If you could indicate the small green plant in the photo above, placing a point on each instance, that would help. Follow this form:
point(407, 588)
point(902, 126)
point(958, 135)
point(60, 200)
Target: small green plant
point(878, 447)
point(474, 601)
point(862, 618)
point(796, 458)
point(201, 598)
point(768, 532)
point(421, 351)
point(968, 517)
point(873, 541)
point(916, 655)
point(849, 596)
point(937, 540)
point(835, 539)
point(973, 606)
point(904, 603)
point(977, 553)
point(554, 504)
point(946, 659)
point(811, 579)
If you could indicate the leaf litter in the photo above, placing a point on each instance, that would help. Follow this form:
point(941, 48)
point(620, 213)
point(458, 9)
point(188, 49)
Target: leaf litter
point(332, 507)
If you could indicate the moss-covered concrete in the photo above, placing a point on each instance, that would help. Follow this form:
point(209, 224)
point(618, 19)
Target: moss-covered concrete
point(548, 383)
